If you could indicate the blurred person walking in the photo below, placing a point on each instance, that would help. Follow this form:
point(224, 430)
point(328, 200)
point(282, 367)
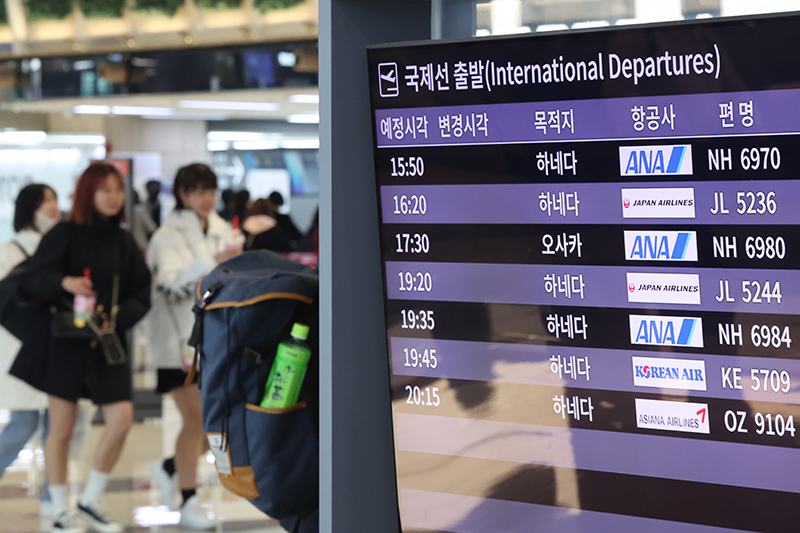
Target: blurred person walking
point(191, 241)
point(227, 212)
point(285, 222)
point(262, 230)
point(241, 203)
point(35, 213)
point(65, 364)
point(152, 203)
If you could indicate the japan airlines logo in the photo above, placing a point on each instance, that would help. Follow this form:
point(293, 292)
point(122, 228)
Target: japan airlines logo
point(660, 245)
point(658, 203)
point(663, 288)
point(669, 373)
point(666, 331)
point(687, 417)
point(388, 80)
point(655, 160)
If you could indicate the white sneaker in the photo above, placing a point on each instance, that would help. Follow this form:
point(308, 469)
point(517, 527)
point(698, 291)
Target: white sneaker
point(193, 516)
point(166, 485)
point(97, 520)
point(66, 523)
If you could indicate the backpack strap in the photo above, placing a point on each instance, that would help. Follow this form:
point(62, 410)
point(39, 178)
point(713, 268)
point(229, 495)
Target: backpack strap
point(21, 249)
point(196, 339)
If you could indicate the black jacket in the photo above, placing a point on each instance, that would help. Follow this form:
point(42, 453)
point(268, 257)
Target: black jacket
point(66, 250)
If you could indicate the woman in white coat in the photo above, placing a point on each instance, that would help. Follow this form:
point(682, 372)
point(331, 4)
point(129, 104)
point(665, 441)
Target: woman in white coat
point(35, 212)
point(187, 246)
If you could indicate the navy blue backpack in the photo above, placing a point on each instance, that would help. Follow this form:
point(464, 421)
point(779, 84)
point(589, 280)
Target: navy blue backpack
point(244, 308)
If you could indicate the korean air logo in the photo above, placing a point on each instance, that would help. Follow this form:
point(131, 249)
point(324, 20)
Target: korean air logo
point(666, 331)
point(660, 245)
point(388, 81)
point(655, 160)
point(669, 373)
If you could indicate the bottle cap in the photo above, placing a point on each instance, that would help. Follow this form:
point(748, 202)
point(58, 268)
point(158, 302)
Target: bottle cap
point(300, 331)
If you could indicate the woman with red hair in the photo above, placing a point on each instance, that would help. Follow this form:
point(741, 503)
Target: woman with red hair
point(88, 255)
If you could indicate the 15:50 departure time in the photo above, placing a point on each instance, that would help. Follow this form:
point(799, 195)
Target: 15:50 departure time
point(407, 167)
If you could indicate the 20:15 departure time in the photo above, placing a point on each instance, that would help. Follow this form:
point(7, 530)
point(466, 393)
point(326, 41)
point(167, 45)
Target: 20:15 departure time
point(428, 396)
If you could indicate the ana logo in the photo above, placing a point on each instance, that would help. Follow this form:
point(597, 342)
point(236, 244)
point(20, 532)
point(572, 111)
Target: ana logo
point(661, 245)
point(655, 160)
point(658, 203)
point(664, 288)
point(669, 373)
point(666, 331)
point(388, 82)
point(687, 417)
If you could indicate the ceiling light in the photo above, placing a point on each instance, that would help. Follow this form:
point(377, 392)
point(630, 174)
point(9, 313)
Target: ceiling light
point(136, 110)
point(89, 109)
point(304, 118)
point(304, 98)
point(76, 139)
point(85, 64)
point(300, 144)
point(229, 106)
point(23, 137)
point(234, 136)
point(218, 146)
point(551, 27)
point(590, 24)
point(287, 59)
point(255, 145)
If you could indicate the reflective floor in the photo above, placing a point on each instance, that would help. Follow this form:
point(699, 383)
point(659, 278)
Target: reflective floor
point(129, 498)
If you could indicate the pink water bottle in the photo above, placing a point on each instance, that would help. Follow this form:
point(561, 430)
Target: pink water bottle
point(84, 305)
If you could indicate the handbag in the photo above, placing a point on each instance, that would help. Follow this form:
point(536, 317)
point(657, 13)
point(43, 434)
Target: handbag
point(63, 327)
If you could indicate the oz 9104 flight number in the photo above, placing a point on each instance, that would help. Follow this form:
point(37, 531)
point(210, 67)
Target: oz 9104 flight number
point(768, 424)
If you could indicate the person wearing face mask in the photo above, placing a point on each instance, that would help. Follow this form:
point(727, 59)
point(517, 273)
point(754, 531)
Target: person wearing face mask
point(191, 241)
point(88, 255)
point(35, 213)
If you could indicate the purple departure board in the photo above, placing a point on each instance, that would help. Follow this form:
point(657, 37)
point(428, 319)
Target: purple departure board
point(591, 253)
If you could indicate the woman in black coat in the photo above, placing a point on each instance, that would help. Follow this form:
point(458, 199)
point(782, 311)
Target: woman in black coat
point(70, 368)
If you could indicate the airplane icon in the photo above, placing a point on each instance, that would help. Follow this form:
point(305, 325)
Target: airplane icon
point(387, 80)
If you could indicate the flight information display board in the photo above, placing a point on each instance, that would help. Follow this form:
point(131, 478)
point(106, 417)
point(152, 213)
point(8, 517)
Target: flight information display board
point(590, 245)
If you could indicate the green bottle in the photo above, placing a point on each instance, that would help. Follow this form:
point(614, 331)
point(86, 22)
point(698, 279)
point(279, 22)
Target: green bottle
point(288, 370)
